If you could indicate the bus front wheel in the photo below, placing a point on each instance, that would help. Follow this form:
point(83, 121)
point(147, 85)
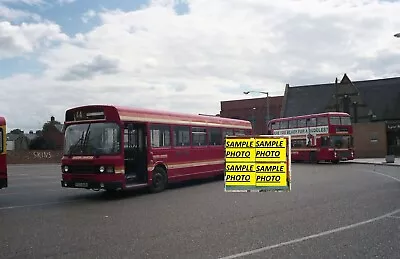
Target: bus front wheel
point(159, 181)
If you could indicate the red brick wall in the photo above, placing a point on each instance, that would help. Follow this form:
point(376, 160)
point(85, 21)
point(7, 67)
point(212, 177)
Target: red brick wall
point(370, 140)
point(243, 109)
point(34, 156)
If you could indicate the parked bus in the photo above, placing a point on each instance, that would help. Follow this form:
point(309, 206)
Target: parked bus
point(3, 154)
point(114, 148)
point(317, 137)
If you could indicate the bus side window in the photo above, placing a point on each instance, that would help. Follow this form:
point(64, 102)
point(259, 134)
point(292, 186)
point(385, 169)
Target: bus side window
point(311, 122)
point(298, 143)
point(181, 136)
point(324, 141)
point(160, 136)
point(199, 136)
point(302, 123)
point(275, 125)
point(292, 124)
point(239, 132)
point(215, 137)
point(322, 121)
point(284, 124)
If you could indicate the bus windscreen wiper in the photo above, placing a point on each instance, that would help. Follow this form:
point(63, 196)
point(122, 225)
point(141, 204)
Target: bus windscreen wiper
point(81, 141)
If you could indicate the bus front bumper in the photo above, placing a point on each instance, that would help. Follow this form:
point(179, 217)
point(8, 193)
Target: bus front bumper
point(92, 184)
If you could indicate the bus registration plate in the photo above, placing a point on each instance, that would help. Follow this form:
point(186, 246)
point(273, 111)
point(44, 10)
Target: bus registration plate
point(81, 184)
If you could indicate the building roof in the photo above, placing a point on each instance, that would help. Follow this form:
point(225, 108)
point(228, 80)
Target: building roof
point(382, 96)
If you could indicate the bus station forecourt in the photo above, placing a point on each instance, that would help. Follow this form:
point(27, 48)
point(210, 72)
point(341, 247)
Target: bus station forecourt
point(338, 210)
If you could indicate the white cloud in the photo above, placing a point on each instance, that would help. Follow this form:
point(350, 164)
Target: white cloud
point(16, 40)
point(10, 14)
point(65, 1)
point(155, 58)
point(88, 15)
point(28, 2)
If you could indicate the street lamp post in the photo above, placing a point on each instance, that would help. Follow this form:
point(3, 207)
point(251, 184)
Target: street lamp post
point(260, 92)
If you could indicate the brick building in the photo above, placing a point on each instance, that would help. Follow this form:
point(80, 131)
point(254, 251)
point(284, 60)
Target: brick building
point(253, 110)
point(374, 106)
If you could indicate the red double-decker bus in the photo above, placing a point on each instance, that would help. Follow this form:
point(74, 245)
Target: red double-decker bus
point(3, 153)
point(114, 148)
point(317, 137)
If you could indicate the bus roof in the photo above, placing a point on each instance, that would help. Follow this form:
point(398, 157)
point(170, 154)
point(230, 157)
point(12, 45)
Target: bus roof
point(157, 116)
point(312, 115)
point(2, 121)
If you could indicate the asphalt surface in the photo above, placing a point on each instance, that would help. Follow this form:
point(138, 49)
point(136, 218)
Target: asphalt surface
point(333, 211)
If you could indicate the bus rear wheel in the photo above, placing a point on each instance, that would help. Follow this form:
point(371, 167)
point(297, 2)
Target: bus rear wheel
point(159, 182)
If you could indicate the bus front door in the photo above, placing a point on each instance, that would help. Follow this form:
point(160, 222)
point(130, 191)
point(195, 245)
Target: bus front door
point(135, 153)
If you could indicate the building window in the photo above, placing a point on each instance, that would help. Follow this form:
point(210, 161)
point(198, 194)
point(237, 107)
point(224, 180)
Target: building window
point(199, 136)
point(160, 136)
point(215, 137)
point(181, 136)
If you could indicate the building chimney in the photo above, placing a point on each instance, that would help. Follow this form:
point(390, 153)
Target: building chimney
point(52, 119)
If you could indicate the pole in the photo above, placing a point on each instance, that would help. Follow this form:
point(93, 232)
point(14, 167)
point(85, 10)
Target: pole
point(267, 107)
point(336, 94)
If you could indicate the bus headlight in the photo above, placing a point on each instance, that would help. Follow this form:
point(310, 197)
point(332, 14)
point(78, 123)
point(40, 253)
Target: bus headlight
point(102, 169)
point(65, 169)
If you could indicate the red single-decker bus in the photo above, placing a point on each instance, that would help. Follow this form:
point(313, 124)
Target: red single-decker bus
point(113, 148)
point(317, 137)
point(3, 153)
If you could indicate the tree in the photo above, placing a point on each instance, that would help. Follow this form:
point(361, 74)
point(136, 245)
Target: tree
point(16, 131)
point(52, 122)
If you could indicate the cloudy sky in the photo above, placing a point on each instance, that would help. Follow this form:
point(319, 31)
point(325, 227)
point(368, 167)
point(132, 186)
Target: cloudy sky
point(183, 55)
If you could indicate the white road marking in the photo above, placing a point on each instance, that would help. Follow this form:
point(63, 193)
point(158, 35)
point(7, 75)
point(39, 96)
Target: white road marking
point(36, 205)
point(389, 176)
point(321, 234)
point(29, 193)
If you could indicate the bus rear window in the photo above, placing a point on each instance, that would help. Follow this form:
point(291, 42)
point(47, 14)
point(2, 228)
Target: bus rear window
point(345, 121)
point(334, 120)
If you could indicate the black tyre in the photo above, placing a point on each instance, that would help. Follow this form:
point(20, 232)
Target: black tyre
point(160, 180)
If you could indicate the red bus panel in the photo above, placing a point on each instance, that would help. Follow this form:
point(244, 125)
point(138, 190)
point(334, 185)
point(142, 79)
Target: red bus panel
point(110, 147)
point(3, 154)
